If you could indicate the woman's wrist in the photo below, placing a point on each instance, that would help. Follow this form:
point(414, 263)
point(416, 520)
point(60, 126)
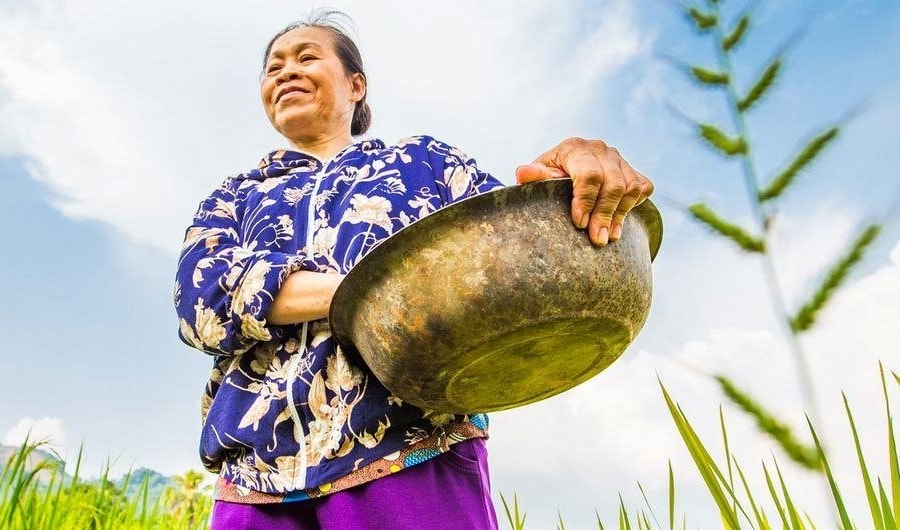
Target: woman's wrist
point(304, 296)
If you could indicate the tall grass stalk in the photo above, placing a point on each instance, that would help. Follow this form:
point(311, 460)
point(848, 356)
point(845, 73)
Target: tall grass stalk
point(735, 141)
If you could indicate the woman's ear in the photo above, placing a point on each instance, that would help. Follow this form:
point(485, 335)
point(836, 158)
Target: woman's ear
point(358, 87)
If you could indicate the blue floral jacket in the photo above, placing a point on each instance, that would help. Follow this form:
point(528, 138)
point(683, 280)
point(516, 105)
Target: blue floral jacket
point(285, 412)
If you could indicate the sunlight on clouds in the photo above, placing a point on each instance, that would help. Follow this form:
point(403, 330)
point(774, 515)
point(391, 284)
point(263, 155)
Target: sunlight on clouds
point(51, 430)
point(807, 245)
point(113, 101)
point(79, 135)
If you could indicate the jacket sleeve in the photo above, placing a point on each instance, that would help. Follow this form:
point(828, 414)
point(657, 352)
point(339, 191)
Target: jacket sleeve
point(457, 175)
point(223, 288)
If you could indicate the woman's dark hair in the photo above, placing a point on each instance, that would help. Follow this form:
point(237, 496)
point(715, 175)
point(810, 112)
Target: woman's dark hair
point(346, 51)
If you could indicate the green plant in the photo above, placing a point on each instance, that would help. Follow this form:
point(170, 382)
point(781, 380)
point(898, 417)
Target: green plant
point(36, 494)
point(709, 22)
point(740, 506)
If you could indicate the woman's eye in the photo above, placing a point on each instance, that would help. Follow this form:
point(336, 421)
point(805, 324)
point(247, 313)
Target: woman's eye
point(306, 58)
point(273, 68)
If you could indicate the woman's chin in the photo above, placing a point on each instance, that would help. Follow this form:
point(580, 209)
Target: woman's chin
point(296, 125)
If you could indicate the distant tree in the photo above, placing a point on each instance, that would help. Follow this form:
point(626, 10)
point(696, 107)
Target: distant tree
point(189, 498)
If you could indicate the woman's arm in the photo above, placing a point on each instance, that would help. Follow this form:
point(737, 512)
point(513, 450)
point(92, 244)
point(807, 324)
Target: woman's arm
point(303, 296)
point(224, 289)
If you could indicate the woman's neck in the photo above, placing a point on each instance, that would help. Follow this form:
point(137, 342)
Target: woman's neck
point(323, 147)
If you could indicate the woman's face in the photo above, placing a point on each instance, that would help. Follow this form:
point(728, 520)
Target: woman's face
point(305, 90)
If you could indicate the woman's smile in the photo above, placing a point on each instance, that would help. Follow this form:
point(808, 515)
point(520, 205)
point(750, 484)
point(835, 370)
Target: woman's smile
point(291, 93)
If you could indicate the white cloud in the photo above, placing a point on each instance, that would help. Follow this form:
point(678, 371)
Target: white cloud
point(808, 244)
point(132, 113)
point(51, 430)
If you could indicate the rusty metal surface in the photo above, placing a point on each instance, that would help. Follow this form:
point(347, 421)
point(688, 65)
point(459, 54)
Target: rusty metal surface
point(497, 301)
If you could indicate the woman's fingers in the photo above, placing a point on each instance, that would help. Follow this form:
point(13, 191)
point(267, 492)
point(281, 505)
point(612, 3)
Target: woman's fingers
point(536, 171)
point(605, 186)
point(631, 197)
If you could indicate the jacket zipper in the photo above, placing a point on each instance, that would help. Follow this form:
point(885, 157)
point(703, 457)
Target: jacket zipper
point(300, 478)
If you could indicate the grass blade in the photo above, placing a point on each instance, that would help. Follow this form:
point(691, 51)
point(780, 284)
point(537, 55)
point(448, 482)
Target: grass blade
point(778, 506)
point(761, 86)
point(760, 518)
point(644, 521)
point(796, 524)
point(705, 465)
point(723, 143)
point(806, 316)
point(650, 508)
point(671, 498)
point(727, 453)
point(702, 20)
point(734, 37)
point(516, 522)
point(836, 494)
point(892, 449)
point(875, 510)
point(889, 522)
point(624, 522)
point(806, 156)
point(706, 76)
point(735, 233)
point(599, 522)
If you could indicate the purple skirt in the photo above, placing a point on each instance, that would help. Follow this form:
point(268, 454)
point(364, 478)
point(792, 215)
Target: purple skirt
point(450, 491)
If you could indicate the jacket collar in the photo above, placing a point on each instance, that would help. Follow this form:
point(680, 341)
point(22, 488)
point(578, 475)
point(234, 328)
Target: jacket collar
point(280, 162)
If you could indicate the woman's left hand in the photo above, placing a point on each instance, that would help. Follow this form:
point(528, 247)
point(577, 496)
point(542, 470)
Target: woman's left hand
point(605, 186)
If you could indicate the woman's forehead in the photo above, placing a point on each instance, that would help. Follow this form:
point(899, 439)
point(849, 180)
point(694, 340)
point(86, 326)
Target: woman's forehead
point(298, 38)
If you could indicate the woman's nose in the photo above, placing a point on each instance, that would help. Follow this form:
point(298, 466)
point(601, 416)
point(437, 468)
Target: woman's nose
point(287, 74)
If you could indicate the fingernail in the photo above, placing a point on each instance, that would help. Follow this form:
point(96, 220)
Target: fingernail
point(616, 231)
point(603, 236)
point(584, 220)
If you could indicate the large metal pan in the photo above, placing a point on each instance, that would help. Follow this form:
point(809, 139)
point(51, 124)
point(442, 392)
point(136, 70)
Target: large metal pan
point(497, 301)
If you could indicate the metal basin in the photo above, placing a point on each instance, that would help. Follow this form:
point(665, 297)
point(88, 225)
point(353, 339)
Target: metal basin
point(497, 301)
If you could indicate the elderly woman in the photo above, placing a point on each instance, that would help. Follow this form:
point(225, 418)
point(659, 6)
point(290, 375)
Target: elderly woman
point(301, 435)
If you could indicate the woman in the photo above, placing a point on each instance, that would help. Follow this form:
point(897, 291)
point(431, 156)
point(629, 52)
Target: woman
point(301, 436)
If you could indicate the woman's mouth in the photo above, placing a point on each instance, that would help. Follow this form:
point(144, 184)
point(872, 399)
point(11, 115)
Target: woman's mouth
point(290, 92)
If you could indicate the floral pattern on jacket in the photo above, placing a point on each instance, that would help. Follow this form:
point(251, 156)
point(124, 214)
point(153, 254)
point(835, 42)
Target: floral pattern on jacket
point(284, 409)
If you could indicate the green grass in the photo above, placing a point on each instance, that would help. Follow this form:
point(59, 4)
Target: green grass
point(36, 494)
point(772, 507)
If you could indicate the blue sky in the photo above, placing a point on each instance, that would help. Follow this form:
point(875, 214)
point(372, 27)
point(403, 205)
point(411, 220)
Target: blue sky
point(102, 170)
